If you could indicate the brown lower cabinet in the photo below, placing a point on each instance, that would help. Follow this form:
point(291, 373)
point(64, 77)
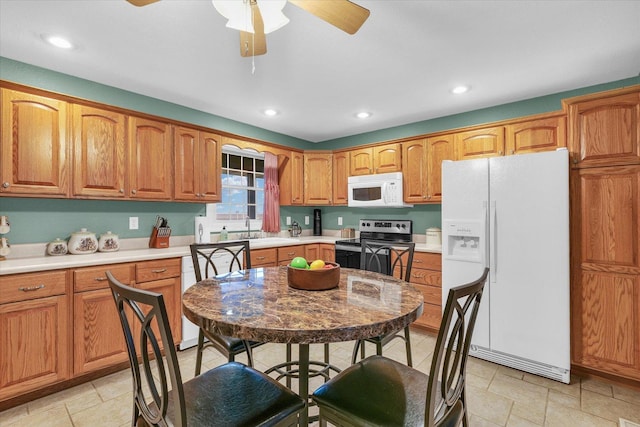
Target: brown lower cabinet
point(267, 257)
point(60, 325)
point(35, 338)
point(426, 276)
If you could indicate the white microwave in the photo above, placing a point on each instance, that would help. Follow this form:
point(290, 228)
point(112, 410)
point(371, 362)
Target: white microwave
point(382, 190)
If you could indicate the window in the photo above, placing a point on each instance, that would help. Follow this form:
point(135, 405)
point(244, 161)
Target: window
point(242, 188)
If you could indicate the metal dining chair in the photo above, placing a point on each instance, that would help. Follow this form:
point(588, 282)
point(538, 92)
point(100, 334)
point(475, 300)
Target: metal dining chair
point(382, 392)
point(376, 256)
point(230, 394)
point(208, 260)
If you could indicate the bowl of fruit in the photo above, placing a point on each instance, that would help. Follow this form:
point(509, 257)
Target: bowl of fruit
point(318, 275)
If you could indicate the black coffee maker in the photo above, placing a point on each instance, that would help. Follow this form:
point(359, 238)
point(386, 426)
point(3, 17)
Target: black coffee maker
point(317, 223)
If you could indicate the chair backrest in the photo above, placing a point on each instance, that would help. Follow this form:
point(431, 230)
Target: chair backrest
point(144, 313)
point(385, 257)
point(448, 366)
point(216, 256)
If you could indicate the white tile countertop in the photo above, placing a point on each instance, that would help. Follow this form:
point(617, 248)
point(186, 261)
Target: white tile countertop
point(31, 258)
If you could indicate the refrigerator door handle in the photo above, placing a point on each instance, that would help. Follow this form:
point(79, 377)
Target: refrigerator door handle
point(493, 256)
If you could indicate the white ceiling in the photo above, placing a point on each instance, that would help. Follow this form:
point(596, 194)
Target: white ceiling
point(400, 66)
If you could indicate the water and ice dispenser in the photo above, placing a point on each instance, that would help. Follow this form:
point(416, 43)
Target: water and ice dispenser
point(464, 241)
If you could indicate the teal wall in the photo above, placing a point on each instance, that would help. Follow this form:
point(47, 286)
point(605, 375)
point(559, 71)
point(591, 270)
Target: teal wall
point(42, 220)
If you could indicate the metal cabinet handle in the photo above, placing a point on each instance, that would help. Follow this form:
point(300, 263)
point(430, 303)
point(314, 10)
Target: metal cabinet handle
point(133, 191)
point(417, 261)
point(31, 288)
point(122, 190)
point(162, 270)
point(100, 279)
point(260, 257)
point(291, 253)
point(5, 184)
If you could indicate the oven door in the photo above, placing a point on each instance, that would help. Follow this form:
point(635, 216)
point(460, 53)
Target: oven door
point(350, 257)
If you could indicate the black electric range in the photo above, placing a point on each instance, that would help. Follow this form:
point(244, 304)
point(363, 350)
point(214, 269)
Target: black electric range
point(395, 230)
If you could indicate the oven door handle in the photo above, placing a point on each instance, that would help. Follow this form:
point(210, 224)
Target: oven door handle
point(348, 248)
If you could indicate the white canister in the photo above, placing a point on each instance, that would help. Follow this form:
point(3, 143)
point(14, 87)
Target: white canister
point(434, 237)
point(109, 242)
point(83, 242)
point(57, 247)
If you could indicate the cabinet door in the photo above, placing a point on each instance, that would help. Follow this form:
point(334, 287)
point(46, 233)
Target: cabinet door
point(34, 148)
point(297, 178)
point(488, 142)
point(387, 158)
point(99, 146)
point(361, 162)
point(209, 153)
point(340, 178)
point(318, 176)
point(414, 171)
point(150, 159)
point(439, 149)
point(328, 252)
point(35, 350)
point(536, 135)
point(267, 257)
point(171, 291)
point(605, 131)
point(197, 159)
point(605, 282)
point(312, 252)
point(98, 339)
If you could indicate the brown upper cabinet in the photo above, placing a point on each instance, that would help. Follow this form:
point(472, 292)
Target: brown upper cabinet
point(150, 166)
point(34, 148)
point(318, 178)
point(297, 178)
point(197, 159)
point(605, 130)
point(340, 177)
point(530, 136)
point(422, 166)
point(99, 147)
point(378, 159)
point(486, 142)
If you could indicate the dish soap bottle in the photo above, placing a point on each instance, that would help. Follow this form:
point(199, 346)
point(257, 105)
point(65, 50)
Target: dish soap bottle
point(223, 233)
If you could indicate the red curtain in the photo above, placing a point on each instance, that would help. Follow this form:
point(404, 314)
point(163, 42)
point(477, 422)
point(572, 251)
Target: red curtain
point(271, 218)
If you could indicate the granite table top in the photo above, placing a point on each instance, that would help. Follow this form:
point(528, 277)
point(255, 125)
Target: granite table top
point(257, 304)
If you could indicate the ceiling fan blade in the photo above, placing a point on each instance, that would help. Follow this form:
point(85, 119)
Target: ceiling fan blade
point(141, 2)
point(254, 44)
point(343, 14)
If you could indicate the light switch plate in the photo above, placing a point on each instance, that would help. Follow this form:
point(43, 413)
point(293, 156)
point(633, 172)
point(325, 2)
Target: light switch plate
point(339, 220)
point(306, 220)
point(133, 223)
point(288, 220)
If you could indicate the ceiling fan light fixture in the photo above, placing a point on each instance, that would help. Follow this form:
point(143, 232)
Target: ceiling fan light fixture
point(239, 16)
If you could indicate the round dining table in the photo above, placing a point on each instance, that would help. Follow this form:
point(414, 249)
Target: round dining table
point(259, 305)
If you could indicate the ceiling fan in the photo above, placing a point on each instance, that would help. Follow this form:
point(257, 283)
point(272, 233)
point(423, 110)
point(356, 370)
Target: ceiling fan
point(253, 17)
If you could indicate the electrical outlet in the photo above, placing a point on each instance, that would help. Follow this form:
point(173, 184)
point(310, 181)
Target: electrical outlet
point(306, 220)
point(339, 220)
point(288, 220)
point(133, 223)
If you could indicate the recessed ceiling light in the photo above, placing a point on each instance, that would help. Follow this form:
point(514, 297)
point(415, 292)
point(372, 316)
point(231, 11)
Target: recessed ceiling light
point(363, 115)
point(58, 41)
point(460, 89)
point(270, 112)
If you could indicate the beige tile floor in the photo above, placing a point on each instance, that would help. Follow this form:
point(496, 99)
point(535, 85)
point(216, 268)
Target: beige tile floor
point(497, 396)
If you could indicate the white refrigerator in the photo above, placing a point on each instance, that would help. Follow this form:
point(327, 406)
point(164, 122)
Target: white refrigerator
point(511, 214)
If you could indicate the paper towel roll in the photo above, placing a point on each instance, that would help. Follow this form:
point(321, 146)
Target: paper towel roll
point(202, 230)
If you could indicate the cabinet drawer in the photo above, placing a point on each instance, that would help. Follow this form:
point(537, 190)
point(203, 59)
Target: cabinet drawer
point(92, 278)
point(432, 294)
point(22, 287)
point(426, 277)
point(261, 257)
point(159, 269)
point(290, 252)
point(427, 260)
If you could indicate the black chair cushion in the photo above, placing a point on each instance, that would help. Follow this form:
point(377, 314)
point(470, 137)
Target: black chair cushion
point(233, 345)
point(377, 391)
point(236, 395)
